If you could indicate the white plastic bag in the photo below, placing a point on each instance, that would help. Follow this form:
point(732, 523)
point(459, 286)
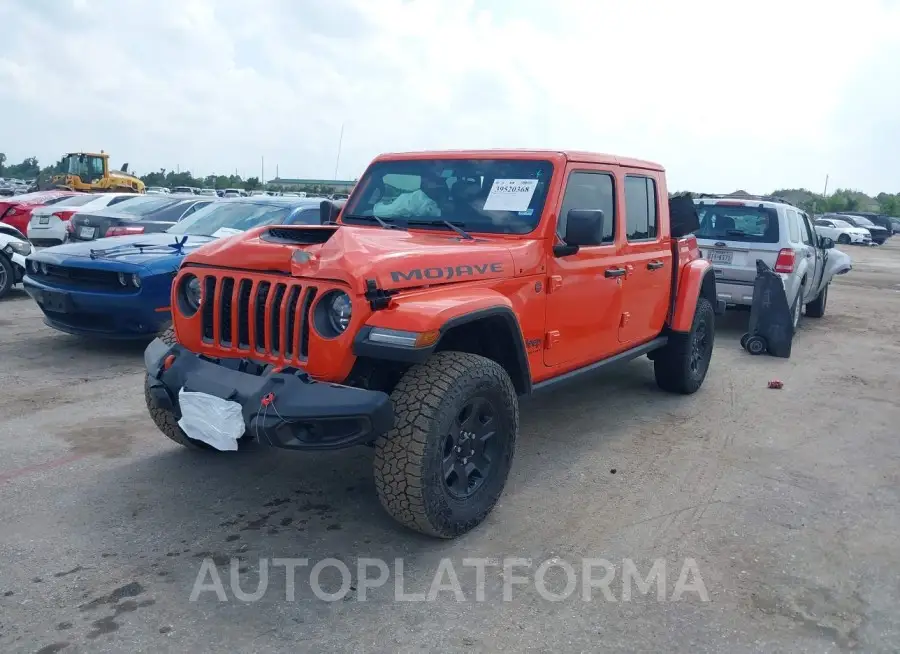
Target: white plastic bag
point(408, 205)
point(211, 420)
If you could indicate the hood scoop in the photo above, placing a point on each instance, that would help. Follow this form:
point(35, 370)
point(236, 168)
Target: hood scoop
point(299, 235)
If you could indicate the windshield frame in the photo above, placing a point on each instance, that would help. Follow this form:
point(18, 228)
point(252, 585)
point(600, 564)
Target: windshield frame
point(482, 171)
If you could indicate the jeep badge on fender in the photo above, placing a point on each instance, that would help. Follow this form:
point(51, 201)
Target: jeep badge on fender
point(449, 286)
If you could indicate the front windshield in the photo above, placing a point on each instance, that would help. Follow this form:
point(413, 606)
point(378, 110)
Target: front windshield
point(842, 224)
point(232, 217)
point(500, 196)
point(864, 221)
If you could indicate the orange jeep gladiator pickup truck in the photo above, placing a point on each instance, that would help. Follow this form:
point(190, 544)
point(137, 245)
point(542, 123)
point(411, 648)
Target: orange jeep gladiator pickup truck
point(450, 285)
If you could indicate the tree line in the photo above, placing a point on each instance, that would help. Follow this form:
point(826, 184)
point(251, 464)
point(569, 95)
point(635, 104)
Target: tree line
point(30, 168)
point(840, 200)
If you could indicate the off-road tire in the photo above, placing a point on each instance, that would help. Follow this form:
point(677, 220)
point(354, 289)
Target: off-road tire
point(408, 459)
point(9, 279)
point(672, 365)
point(816, 308)
point(843, 239)
point(165, 420)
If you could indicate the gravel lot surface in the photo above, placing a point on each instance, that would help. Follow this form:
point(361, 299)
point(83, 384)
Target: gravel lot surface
point(788, 501)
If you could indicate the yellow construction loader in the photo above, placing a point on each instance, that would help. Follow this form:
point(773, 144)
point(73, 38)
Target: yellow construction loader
point(89, 172)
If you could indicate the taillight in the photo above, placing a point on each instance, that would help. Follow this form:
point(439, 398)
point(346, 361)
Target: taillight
point(63, 215)
point(785, 261)
point(124, 231)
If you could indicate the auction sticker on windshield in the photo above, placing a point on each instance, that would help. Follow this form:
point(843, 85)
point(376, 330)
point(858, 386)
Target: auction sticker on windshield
point(510, 195)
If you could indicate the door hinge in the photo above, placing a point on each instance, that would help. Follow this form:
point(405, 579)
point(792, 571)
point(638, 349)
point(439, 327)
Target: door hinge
point(551, 339)
point(625, 318)
point(555, 282)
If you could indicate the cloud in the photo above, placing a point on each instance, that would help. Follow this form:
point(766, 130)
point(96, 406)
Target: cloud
point(757, 96)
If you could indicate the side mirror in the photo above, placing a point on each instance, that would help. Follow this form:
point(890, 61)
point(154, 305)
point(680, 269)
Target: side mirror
point(826, 243)
point(328, 212)
point(584, 227)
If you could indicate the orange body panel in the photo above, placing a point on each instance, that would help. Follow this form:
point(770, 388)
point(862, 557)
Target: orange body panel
point(569, 313)
point(690, 280)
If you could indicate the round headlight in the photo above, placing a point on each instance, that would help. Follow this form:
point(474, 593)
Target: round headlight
point(123, 280)
point(192, 292)
point(339, 311)
point(136, 280)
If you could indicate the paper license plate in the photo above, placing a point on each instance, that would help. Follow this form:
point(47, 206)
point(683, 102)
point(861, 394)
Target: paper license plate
point(44, 220)
point(87, 232)
point(717, 256)
point(55, 301)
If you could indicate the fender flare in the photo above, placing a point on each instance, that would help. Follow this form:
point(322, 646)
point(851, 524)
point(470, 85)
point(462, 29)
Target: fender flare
point(697, 280)
point(521, 375)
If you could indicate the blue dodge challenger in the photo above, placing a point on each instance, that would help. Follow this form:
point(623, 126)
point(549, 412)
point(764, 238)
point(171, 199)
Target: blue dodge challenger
point(119, 287)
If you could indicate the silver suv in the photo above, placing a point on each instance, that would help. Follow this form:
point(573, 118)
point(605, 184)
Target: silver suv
point(736, 231)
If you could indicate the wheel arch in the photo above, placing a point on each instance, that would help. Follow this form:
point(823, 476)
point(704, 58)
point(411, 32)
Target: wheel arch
point(489, 331)
point(494, 333)
point(696, 280)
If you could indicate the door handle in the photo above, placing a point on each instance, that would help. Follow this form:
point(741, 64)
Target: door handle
point(614, 272)
point(655, 265)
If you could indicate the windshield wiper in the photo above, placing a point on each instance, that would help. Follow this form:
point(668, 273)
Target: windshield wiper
point(456, 228)
point(384, 224)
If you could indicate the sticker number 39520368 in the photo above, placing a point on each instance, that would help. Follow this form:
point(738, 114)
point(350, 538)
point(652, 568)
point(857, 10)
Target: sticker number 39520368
point(510, 195)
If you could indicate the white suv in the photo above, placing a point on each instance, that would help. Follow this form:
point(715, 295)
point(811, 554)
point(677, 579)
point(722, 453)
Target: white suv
point(736, 231)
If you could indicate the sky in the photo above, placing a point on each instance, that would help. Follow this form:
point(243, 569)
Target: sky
point(725, 95)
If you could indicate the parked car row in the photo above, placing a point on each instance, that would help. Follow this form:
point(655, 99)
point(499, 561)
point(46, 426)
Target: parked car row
point(119, 286)
point(10, 187)
point(880, 227)
point(234, 192)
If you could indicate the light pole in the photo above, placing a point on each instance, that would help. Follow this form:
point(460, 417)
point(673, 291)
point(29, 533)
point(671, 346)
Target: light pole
point(338, 160)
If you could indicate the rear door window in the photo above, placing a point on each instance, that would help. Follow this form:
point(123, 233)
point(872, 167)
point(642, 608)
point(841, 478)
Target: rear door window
point(726, 221)
point(793, 229)
point(640, 208)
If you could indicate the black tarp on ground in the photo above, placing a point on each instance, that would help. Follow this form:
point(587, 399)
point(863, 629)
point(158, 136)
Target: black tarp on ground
point(770, 315)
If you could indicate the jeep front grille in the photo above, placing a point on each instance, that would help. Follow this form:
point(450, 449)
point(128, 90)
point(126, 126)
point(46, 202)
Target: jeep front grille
point(265, 319)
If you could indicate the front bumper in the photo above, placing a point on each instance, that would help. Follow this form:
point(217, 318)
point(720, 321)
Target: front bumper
point(281, 409)
point(862, 239)
point(84, 312)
